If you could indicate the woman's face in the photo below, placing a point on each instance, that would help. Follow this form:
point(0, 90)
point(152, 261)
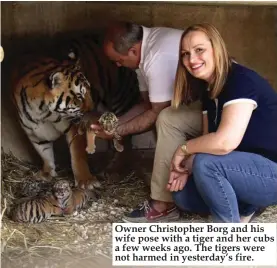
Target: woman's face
point(197, 55)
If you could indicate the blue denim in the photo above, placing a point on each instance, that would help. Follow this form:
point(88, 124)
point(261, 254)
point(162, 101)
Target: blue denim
point(229, 185)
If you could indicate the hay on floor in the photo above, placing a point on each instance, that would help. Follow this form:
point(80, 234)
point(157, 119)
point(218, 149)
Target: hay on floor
point(83, 234)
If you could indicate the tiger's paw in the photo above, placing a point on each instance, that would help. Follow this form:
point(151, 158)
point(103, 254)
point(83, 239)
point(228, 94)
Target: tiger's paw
point(89, 183)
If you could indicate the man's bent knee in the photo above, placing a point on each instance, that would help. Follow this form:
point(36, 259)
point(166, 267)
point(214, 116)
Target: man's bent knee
point(164, 116)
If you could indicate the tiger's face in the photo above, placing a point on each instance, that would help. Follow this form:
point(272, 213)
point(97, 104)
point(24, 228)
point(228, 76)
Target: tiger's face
point(62, 189)
point(69, 94)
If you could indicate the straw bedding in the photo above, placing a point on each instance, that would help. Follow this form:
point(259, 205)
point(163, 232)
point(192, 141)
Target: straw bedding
point(83, 234)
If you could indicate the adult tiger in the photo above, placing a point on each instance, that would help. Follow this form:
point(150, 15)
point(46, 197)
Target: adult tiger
point(49, 95)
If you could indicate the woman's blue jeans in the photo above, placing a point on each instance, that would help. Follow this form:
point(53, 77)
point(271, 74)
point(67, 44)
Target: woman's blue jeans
point(229, 185)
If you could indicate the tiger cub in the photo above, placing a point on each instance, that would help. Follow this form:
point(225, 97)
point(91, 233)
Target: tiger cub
point(50, 95)
point(71, 200)
point(62, 201)
point(108, 121)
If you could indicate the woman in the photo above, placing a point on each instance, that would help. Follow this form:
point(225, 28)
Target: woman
point(234, 163)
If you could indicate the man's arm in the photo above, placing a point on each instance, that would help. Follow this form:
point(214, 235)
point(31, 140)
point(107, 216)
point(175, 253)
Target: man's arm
point(138, 119)
point(144, 121)
point(160, 80)
point(137, 109)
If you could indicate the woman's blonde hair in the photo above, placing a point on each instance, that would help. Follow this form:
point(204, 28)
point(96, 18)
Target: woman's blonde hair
point(185, 84)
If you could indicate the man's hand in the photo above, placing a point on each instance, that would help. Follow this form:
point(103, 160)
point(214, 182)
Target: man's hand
point(100, 133)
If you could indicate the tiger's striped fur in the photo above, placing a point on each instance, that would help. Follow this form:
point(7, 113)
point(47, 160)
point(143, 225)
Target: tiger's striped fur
point(36, 210)
point(62, 201)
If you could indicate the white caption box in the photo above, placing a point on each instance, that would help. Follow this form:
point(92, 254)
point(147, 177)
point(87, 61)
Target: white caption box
point(180, 244)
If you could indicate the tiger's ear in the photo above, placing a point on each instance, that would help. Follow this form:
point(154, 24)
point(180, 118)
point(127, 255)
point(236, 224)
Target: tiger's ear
point(56, 79)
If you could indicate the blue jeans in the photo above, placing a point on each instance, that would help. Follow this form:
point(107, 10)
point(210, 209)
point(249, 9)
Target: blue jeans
point(229, 185)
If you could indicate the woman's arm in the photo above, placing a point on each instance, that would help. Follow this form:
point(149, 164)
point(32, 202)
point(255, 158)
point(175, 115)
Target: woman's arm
point(234, 121)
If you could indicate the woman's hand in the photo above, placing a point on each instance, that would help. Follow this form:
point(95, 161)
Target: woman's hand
point(178, 161)
point(188, 163)
point(181, 168)
point(177, 181)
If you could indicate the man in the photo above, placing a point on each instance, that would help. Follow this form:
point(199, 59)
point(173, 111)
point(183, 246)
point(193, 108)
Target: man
point(154, 54)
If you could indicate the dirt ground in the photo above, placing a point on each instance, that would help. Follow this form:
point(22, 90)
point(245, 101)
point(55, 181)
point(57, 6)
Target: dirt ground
point(85, 238)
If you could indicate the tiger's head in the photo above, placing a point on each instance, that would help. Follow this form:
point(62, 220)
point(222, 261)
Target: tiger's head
point(62, 189)
point(69, 92)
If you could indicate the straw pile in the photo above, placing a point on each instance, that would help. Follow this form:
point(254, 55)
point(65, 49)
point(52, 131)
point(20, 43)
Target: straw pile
point(81, 235)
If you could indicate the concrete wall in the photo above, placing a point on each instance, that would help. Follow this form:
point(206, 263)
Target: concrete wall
point(249, 31)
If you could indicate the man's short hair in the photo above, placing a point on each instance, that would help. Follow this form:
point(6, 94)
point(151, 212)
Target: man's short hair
point(124, 35)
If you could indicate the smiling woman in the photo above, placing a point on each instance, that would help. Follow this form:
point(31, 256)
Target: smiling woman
point(233, 165)
point(197, 59)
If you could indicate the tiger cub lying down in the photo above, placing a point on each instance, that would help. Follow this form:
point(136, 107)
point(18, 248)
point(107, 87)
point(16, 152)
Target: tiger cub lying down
point(108, 121)
point(62, 201)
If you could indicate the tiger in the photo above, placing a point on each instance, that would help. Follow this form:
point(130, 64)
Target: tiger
point(52, 94)
point(49, 95)
point(63, 201)
point(35, 209)
point(71, 200)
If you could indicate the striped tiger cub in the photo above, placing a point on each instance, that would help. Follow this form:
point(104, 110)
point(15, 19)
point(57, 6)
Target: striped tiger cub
point(71, 200)
point(108, 121)
point(62, 201)
point(50, 95)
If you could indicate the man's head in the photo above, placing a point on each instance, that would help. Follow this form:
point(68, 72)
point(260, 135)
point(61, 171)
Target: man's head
point(122, 44)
